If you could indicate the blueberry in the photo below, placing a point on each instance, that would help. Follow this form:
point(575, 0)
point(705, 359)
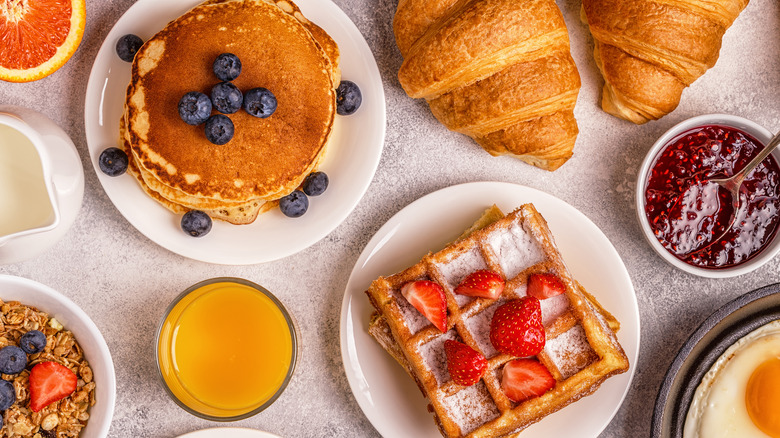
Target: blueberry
point(348, 98)
point(7, 396)
point(227, 67)
point(128, 46)
point(113, 161)
point(315, 183)
point(260, 102)
point(219, 129)
point(33, 342)
point(12, 360)
point(295, 204)
point(226, 97)
point(196, 223)
point(194, 108)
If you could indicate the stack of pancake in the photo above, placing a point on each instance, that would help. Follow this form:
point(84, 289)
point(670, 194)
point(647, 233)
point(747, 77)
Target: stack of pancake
point(267, 158)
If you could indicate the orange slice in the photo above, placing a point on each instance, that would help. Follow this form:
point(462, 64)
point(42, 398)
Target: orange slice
point(38, 36)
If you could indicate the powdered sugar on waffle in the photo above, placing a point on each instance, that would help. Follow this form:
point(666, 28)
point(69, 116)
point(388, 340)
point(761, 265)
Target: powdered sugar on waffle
point(413, 319)
point(568, 349)
point(435, 357)
point(552, 307)
point(516, 250)
point(479, 326)
point(471, 407)
point(457, 268)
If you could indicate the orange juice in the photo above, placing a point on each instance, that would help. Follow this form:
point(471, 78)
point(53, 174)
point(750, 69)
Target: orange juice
point(226, 349)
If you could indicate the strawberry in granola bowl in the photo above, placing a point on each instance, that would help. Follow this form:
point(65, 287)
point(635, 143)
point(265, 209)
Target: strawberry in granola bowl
point(56, 375)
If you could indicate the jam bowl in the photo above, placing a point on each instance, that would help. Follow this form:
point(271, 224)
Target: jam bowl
point(678, 220)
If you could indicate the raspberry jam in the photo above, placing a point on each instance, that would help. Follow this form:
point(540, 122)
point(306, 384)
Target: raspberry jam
point(684, 209)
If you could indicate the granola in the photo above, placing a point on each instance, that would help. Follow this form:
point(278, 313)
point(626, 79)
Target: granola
point(61, 419)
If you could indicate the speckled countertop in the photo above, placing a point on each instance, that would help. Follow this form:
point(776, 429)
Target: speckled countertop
point(124, 281)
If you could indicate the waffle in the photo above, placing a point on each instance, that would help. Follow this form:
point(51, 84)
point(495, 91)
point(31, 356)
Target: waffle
point(581, 349)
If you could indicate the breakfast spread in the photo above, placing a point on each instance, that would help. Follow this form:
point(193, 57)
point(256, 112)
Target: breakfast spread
point(649, 51)
point(243, 162)
point(499, 71)
point(225, 349)
point(683, 209)
point(47, 385)
point(494, 330)
point(740, 394)
point(229, 112)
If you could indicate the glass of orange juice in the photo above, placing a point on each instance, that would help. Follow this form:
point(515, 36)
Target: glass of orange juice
point(226, 349)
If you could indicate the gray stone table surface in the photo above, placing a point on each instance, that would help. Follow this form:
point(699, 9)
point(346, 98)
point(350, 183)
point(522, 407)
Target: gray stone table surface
point(124, 281)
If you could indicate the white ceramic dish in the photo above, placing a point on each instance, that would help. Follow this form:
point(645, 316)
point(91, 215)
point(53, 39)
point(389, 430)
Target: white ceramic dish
point(228, 432)
point(759, 133)
point(88, 336)
point(388, 397)
point(64, 179)
point(350, 162)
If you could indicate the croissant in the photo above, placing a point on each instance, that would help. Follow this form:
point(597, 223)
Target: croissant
point(499, 71)
point(650, 51)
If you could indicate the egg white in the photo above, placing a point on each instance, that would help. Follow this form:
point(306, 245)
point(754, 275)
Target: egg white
point(718, 406)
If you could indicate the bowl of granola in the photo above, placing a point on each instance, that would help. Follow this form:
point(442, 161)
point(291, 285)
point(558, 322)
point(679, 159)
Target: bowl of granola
point(57, 362)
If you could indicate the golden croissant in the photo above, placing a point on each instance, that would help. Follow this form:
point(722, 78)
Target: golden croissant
point(499, 71)
point(650, 51)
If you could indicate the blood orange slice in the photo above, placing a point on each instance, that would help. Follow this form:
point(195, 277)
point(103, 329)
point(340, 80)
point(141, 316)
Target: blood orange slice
point(38, 36)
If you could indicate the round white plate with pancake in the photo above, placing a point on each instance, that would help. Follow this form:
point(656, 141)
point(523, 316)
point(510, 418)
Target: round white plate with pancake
point(350, 162)
point(388, 396)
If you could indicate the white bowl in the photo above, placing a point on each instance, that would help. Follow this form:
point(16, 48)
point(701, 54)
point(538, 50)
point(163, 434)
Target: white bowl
point(759, 133)
point(48, 300)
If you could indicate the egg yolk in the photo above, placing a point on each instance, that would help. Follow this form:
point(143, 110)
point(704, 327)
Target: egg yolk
point(762, 397)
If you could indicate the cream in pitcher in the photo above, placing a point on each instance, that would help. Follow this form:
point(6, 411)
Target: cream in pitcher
point(41, 183)
point(25, 202)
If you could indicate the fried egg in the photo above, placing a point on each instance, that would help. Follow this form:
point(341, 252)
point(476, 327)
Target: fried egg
point(740, 395)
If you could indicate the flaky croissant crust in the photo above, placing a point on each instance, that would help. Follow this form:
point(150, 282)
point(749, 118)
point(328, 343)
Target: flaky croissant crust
point(496, 70)
point(649, 51)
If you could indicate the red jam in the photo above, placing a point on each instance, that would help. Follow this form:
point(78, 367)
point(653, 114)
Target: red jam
point(685, 210)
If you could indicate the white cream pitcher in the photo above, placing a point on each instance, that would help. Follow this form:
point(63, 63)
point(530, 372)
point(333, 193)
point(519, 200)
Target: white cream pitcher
point(41, 183)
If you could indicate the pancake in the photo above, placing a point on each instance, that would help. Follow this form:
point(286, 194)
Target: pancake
point(323, 39)
point(267, 158)
point(235, 213)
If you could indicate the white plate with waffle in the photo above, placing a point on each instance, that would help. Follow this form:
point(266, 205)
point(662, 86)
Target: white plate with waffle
point(352, 158)
point(388, 397)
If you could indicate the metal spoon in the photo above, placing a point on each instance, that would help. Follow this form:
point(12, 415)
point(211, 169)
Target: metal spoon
point(732, 185)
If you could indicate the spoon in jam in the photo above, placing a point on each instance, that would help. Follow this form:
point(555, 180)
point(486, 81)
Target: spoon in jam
point(712, 188)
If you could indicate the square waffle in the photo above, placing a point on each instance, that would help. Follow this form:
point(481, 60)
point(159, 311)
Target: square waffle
point(581, 350)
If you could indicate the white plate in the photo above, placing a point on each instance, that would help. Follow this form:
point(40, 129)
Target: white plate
point(228, 432)
point(388, 397)
point(350, 162)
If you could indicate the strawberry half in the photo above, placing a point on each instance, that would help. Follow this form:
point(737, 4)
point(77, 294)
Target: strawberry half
point(466, 365)
point(50, 382)
point(483, 284)
point(516, 328)
point(545, 286)
point(428, 297)
point(525, 378)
